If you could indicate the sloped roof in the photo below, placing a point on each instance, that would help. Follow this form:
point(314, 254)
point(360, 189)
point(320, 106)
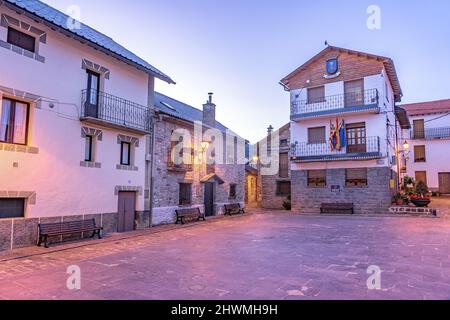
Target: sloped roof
point(55, 18)
point(429, 107)
point(181, 110)
point(388, 64)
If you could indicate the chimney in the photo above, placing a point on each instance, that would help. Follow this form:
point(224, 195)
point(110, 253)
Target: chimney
point(269, 130)
point(209, 112)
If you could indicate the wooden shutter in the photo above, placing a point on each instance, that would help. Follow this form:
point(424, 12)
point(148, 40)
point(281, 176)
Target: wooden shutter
point(317, 178)
point(316, 95)
point(356, 176)
point(419, 129)
point(354, 93)
point(421, 176)
point(316, 135)
point(284, 165)
point(419, 154)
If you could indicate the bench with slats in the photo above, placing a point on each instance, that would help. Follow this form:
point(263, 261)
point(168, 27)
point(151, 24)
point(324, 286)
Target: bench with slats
point(189, 213)
point(233, 208)
point(47, 230)
point(337, 208)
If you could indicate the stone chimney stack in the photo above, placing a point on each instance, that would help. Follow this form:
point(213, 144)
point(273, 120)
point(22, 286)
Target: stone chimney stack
point(269, 130)
point(209, 112)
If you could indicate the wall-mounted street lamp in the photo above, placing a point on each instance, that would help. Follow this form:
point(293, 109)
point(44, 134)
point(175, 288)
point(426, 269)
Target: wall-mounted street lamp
point(406, 145)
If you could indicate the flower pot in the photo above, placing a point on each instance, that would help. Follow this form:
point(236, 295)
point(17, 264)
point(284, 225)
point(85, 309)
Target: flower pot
point(399, 202)
point(421, 203)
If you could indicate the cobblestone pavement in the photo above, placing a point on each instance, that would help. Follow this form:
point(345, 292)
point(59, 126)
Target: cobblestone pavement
point(265, 255)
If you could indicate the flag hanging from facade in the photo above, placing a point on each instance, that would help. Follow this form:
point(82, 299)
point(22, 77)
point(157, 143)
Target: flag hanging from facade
point(338, 139)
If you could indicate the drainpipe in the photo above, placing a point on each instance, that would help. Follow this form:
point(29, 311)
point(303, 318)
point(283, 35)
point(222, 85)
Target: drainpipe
point(397, 152)
point(155, 120)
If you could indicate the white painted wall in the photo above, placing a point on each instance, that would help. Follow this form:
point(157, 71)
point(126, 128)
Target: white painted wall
point(61, 185)
point(436, 151)
point(376, 124)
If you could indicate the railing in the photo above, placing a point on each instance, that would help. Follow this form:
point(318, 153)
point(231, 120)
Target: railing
point(115, 110)
point(339, 101)
point(431, 133)
point(369, 146)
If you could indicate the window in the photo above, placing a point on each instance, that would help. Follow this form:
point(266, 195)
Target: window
point(419, 129)
point(185, 194)
point(316, 135)
point(88, 149)
point(356, 137)
point(317, 178)
point(283, 143)
point(316, 95)
point(13, 121)
point(93, 87)
point(387, 91)
point(356, 177)
point(12, 208)
point(125, 153)
point(283, 165)
point(21, 40)
point(419, 154)
point(232, 191)
point(283, 188)
point(354, 93)
point(421, 176)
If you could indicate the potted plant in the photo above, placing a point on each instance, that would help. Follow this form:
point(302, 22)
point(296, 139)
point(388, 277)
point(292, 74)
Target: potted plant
point(398, 199)
point(419, 199)
point(408, 183)
point(287, 203)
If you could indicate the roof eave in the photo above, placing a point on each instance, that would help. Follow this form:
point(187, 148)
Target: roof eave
point(82, 39)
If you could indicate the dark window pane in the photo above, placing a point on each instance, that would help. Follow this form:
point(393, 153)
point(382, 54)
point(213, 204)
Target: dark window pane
point(185, 194)
point(283, 188)
point(12, 208)
point(125, 154)
point(5, 120)
point(21, 39)
point(232, 191)
point(88, 149)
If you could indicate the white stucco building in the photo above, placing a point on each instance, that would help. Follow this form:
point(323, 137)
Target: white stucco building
point(429, 144)
point(356, 92)
point(74, 124)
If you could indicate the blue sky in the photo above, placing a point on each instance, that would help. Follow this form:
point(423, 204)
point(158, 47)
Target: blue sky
point(240, 49)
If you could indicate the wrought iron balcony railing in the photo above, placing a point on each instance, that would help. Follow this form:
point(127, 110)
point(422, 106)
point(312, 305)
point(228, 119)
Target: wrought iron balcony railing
point(115, 111)
point(431, 133)
point(367, 148)
point(352, 101)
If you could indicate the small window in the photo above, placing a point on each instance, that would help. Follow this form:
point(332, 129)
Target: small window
point(21, 40)
point(284, 165)
point(421, 176)
point(283, 188)
point(356, 177)
point(232, 191)
point(185, 194)
point(387, 91)
point(419, 154)
point(125, 153)
point(13, 121)
point(89, 149)
point(317, 178)
point(12, 208)
point(283, 143)
point(316, 95)
point(316, 135)
point(419, 129)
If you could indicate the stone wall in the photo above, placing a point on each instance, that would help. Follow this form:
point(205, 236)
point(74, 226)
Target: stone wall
point(376, 197)
point(166, 182)
point(23, 232)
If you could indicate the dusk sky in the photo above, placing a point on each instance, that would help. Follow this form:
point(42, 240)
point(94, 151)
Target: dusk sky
point(240, 49)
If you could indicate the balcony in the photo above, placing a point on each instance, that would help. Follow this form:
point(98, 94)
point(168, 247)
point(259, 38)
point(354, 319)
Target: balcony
point(369, 148)
point(431, 133)
point(355, 102)
point(111, 111)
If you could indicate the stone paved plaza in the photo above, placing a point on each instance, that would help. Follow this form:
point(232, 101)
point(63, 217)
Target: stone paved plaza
point(263, 255)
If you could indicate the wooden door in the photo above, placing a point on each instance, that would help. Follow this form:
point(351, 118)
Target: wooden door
point(356, 138)
point(444, 182)
point(127, 211)
point(209, 199)
point(354, 93)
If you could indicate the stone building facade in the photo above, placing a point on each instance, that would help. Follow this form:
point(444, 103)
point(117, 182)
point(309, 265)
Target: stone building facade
point(275, 188)
point(226, 180)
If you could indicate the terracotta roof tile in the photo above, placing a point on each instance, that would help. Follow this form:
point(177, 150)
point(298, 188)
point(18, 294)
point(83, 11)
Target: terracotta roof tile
point(429, 107)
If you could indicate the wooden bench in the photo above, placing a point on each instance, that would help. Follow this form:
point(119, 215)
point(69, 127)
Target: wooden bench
point(340, 208)
point(233, 208)
point(190, 213)
point(47, 230)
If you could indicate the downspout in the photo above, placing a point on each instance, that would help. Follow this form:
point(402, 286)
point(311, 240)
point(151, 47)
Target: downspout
point(397, 152)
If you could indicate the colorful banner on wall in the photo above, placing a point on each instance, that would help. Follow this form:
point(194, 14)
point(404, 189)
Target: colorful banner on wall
point(337, 135)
